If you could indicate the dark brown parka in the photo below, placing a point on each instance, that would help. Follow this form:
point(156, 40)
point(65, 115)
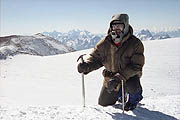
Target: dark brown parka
point(127, 59)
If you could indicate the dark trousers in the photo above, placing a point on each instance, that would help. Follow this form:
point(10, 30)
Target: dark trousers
point(132, 86)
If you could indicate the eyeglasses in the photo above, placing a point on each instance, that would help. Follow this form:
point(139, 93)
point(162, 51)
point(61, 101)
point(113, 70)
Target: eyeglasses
point(119, 26)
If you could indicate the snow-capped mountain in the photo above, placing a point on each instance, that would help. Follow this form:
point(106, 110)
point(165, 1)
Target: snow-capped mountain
point(82, 39)
point(37, 44)
point(144, 35)
point(174, 33)
point(161, 35)
point(147, 35)
point(77, 39)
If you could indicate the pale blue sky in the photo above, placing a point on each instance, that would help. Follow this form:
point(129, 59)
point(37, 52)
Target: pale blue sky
point(33, 16)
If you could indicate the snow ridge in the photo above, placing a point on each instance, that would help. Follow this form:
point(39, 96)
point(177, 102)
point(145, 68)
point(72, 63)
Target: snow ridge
point(37, 44)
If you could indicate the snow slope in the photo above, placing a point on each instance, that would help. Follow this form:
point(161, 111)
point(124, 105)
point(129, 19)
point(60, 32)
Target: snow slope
point(37, 44)
point(39, 88)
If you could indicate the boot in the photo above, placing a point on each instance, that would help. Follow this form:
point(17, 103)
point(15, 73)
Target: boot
point(134, 99)
point(120, 96)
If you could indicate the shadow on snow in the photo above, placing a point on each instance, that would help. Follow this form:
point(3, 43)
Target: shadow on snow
point(141, 114)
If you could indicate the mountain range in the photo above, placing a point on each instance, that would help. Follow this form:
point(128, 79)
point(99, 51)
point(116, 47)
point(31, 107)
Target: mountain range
point(77, 39)
point(37, 44)
point(52, 43)
point(82, 39)
point(147, 35)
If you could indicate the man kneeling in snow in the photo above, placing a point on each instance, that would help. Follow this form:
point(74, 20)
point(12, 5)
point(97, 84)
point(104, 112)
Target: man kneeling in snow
point(122, 55)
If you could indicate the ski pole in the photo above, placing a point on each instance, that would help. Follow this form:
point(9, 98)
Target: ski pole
point(122, 95)
point(83, 87)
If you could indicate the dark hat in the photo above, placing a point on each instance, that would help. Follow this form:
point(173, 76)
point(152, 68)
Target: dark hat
point(121, 18)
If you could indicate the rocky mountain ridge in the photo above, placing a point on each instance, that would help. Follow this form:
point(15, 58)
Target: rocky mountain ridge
point(37, 44)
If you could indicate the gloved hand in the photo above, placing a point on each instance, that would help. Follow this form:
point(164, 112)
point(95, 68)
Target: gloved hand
point(83, 68)
point(107, 73)
point(113, 83)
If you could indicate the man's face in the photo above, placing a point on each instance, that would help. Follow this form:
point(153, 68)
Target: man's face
point(118, 27)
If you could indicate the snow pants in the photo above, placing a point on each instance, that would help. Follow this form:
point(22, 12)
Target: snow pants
point(132, 86)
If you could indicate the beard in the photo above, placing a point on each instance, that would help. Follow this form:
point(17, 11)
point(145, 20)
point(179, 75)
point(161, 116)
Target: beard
point(119, 32)
point(117, 36)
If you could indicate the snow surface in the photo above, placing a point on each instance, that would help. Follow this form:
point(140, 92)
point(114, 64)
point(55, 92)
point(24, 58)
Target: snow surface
point(44, 88)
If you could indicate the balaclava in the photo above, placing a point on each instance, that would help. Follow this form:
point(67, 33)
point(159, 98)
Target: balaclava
point(124, 19)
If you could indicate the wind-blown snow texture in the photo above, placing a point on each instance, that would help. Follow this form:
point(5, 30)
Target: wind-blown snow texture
point(39, 88)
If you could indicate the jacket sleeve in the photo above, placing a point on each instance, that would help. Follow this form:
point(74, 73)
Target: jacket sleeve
point(95, 60)
point(136, 63)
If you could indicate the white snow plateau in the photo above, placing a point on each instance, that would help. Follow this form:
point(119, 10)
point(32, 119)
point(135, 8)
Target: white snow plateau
point(49, 87)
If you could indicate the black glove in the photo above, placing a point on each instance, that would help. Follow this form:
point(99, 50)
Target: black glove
point(83, 68)
point(107, 73)
point(112, 84)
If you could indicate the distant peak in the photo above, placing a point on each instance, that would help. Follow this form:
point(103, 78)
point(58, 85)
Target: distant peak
point(145, 30)
point(40, 34)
